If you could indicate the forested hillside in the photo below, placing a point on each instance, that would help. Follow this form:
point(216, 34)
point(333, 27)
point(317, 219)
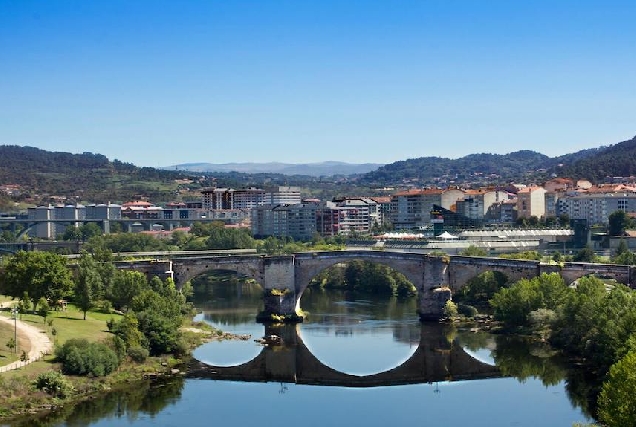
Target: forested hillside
point(615, 160)
point(474, 167)
point(88, 176)
point(525, 166)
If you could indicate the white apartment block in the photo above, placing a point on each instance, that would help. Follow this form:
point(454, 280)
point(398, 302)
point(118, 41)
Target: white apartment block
point(596, 207)
point(284, 196)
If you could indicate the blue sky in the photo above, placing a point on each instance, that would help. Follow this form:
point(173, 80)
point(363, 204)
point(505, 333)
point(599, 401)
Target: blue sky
point(158, 83)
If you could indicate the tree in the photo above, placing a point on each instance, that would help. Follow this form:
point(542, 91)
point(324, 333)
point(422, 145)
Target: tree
point(40, 274)
point(474, 251)
point(585, 255)
point(618, 223)
point(480, 289)
point(43, 308)
point(513, 305)
point(616, 403)
point(126, 285)
point(622, 247)
point(88, 284)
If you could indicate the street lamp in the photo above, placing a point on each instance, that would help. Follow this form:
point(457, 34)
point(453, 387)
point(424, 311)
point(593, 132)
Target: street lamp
point(14, 312)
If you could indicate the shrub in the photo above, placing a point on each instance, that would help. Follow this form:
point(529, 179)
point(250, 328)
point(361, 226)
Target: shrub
point(79, 357)
point(450, 309)
point(467, 310)
point(138, 354)
point(53, 383)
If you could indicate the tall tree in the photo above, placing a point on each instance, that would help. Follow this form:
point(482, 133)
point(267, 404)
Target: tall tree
point(88, 283)
point(41, 274)
point(618, 223)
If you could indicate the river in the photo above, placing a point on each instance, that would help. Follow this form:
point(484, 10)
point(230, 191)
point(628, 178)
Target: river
point(356, 360)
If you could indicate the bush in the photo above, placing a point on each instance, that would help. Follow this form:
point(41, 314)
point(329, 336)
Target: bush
point(79, 357)
point(138, 354)
point(105, 306)
point(53, 383)
point(467, 310)
point(450, 309)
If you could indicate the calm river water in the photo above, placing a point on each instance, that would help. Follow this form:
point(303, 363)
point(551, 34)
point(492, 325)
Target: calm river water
point(356, 361)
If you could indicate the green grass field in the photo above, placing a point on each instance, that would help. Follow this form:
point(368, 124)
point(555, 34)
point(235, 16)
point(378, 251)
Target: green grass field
point(66, 324)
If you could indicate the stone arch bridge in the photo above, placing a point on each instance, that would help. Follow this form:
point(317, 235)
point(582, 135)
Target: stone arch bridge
point(285, 277)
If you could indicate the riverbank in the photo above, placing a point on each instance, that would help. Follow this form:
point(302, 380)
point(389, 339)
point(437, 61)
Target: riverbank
point(17, 392)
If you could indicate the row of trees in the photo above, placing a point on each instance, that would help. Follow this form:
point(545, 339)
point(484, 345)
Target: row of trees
point(592, 321)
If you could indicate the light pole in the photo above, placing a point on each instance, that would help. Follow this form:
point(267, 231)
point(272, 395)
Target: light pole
point(14, 312)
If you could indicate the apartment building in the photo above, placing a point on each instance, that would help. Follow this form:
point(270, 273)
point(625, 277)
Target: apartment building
point(284, 196)
point(476, 203)
point(295, 221)
point(531, 202)
point(412, 208)
point(596, 207)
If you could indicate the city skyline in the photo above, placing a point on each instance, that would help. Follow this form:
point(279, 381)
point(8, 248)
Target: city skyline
point(162, 83)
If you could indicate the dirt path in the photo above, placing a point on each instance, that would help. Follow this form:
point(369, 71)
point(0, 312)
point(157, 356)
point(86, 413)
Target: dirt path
point(39, 341)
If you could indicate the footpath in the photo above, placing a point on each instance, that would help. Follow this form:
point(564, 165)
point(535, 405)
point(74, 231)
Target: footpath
point(39, 342)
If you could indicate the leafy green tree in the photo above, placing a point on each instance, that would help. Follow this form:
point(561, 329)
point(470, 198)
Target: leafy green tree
point(450, 310)
point(40, 274)
point(564, 220)
point(585, 255)
point(88, 283)
point(618, 223)
point(480, 289)
point(622, 247)
point(127, 329)
point(126, 285)
point(513, 305)
point(616, 401)
point(474, 251)
point(43, 308)
point(625, 258)
point(11, 344)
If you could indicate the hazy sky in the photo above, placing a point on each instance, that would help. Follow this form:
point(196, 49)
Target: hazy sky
point(157, 83)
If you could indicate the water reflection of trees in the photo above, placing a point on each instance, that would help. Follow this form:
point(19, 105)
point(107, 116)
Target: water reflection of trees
point(523, 358)
point(226, 298)
point(224, 284)
point(139, 399)
point(376, 307)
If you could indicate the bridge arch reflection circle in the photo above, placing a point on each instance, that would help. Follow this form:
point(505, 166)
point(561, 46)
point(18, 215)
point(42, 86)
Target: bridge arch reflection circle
point(363, 348)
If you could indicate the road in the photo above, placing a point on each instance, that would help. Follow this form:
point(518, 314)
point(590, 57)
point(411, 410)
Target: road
point(39, 341)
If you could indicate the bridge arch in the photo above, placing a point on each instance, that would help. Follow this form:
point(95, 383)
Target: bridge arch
point(185, 269)
point(308, 266)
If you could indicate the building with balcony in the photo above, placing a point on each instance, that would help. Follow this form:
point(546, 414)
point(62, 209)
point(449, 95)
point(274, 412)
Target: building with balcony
point(412, 208)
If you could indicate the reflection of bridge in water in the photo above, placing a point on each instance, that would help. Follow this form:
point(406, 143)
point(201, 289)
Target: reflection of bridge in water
point(436, 359)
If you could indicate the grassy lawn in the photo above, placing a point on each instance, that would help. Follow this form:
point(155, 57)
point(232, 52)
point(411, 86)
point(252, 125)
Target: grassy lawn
point(67, 324)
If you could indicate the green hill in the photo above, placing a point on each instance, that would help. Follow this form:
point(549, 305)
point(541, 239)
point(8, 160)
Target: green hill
point(86, 176)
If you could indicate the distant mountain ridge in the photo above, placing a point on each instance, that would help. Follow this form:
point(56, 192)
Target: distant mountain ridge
point(329, 168)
